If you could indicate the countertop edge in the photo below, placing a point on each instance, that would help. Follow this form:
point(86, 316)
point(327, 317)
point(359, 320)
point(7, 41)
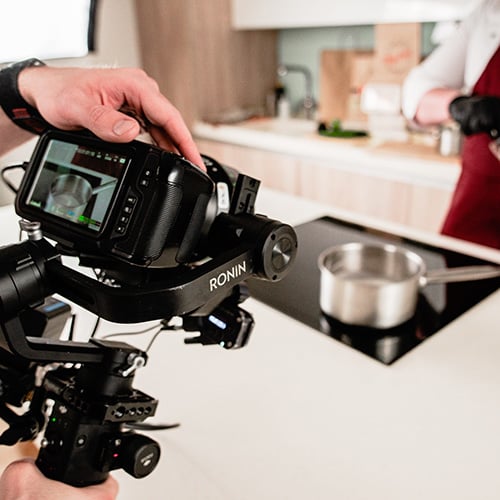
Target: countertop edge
point(347, 157)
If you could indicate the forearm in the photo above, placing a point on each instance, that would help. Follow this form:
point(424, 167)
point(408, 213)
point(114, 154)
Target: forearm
point(11, 135)
point(433, 108)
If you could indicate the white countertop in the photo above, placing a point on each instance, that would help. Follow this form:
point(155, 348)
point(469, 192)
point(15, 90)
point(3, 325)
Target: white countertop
point(364, 156)
point(297, 415)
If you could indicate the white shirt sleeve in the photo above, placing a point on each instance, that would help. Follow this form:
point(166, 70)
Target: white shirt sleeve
point(447, 66)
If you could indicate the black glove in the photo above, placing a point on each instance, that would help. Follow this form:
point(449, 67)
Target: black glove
point(477, 114)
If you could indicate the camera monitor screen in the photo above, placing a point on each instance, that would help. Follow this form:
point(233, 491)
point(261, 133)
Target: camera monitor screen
point(76, 182)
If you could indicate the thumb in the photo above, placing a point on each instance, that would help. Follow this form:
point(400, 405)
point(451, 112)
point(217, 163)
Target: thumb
point(110, 124)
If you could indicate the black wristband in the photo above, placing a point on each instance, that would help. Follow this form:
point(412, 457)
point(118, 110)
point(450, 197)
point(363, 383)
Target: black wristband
point(15, 107)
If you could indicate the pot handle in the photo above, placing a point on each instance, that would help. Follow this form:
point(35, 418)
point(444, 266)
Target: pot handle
point(104, 186)
point(457, 274)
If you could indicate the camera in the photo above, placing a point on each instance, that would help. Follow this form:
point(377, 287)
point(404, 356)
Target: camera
point(130, 201)
point(166, 240)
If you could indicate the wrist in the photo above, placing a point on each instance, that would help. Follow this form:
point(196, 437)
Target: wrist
point(15, 98)
point(26, 83)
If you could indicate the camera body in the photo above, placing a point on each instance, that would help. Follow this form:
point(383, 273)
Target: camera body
point(129, 201)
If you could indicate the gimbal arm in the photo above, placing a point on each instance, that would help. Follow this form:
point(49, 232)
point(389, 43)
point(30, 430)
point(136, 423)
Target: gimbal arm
point(246, 245)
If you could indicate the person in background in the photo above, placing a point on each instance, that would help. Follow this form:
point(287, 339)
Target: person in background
point(34, 96)
point(460, 81)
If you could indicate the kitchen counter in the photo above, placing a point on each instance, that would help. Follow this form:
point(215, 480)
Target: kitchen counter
point(414, 161)
point(297, 415)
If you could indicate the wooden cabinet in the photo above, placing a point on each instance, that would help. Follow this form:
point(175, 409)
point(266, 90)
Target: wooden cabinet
point(201, 64)
point(275, 170)
point(262, 14)
point(422, 207)
point(419, 206)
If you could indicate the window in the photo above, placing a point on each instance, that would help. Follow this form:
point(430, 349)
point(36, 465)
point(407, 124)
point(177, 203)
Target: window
point(47, 29)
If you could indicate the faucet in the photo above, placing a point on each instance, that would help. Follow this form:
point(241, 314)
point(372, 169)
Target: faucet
point(308, 104)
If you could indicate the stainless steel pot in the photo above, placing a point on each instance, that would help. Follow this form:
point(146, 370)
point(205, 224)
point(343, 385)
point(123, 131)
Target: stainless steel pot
point(378, 285)
point(70, 193)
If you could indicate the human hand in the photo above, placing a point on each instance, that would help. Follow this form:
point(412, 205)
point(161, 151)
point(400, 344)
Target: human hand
point(75, 98)
point(23, 480)
point(477, 114)
point(494, 147)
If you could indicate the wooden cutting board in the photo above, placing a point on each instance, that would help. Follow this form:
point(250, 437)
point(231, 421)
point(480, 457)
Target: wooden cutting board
point(342, 76)
point(343, 73)
point(397, 51)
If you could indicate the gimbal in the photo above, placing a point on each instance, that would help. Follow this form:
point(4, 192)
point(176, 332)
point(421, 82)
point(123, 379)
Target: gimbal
point(80, 394)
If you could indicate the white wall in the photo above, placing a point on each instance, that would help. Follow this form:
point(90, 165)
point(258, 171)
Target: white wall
point(279, 14)
point(116, 45)
point(117, 40)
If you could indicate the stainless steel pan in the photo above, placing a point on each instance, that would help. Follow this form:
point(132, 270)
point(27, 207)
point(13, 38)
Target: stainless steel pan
point(70, 193)
point(378, 285)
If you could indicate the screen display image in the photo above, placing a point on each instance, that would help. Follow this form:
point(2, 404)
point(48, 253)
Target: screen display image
point(77, 183)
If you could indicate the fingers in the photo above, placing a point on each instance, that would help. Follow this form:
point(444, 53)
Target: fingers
point(494, 147)
point(23, 479)
point(170, 128)
point(106, 490)
point(187, 149)
point(143, 99)
point(109, 124)
point(140, 94)
point(112, 125)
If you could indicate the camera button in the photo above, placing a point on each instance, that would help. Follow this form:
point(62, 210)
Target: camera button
point(81, 440)
point(131, 200)
point(144, 182)
point(127, 209)
point(120, 229)
point(124, 219)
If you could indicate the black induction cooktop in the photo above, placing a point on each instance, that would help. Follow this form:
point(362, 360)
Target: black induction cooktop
point(297, 295)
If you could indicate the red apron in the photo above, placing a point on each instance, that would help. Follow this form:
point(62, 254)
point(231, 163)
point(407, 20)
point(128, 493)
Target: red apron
point(474, 214)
